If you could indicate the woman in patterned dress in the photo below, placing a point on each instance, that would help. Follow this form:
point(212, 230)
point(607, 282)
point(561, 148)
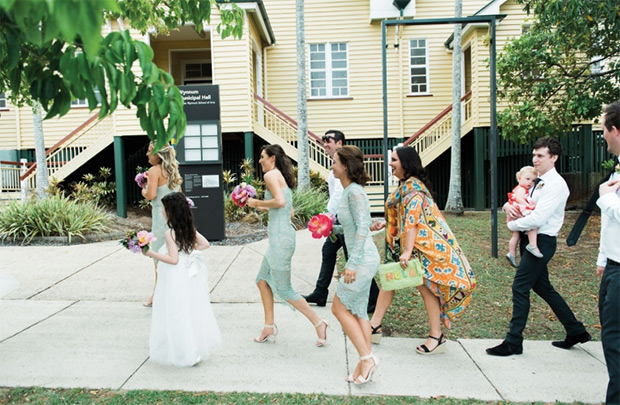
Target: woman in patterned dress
point(416, 227)
point(274, 276)
point(351, 300)
point(163, 178)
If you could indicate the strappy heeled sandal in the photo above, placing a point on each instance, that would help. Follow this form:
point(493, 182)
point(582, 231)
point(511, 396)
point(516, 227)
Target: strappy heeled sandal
point(273, 335)
point(377, 334)
point(321, 342)
point(440, 348)
point(361, 380)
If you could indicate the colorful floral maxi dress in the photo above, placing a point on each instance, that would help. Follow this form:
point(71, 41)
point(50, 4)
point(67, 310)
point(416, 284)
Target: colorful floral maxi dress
point(447, 272)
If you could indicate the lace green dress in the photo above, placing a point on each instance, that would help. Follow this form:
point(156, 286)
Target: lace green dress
point(354, 218)
point(159, 225)
point(276, 266)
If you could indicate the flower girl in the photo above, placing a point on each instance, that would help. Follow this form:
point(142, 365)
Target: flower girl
point(183, 329)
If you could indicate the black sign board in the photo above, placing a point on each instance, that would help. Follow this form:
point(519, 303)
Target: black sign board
point(200, 158)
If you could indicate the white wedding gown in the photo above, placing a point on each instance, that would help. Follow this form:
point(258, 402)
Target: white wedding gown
point(183, 329)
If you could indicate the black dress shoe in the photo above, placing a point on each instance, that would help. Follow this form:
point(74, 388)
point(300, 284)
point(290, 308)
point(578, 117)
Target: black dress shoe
point(316, 299)
point(572, 340)
point(505, 349)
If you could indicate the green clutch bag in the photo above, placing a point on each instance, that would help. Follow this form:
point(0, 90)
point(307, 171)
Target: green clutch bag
point(393, 277)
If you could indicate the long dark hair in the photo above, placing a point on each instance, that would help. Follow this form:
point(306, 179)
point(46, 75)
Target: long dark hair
point(180, 220)
point(353, 159)
point(283, 163)
point(412, 165)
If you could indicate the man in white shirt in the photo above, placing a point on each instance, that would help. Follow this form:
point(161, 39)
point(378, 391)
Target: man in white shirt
point(550, 195)
point(608, 262)
point(332, 140)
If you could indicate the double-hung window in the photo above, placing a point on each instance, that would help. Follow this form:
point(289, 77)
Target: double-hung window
point(418, 66)
point(329, 70)
point(82, 102)
point(2, 100)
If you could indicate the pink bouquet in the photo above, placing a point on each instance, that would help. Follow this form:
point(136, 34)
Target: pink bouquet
point(321, 225)
point(241, 193)
point(137, 242)
point(142, 179)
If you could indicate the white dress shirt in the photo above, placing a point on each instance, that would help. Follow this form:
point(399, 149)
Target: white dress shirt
point(610, 226)
point(335, 193)
point(550, 196)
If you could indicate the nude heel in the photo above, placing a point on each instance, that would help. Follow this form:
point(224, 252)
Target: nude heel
point(271, 335)
point(321, 342)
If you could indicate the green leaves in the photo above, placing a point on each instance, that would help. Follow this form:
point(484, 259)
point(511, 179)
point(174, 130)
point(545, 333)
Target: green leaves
point(562, 70)
point(52, 51)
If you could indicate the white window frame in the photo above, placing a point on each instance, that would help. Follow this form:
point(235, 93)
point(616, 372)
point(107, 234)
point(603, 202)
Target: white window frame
point(329, 70)
point(3, 105)
point(427, 82)
point(83, 102)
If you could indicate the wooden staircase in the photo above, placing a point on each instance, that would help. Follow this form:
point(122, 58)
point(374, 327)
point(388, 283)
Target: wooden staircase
point(75, 149)
point(271, 124)
point(275, 126)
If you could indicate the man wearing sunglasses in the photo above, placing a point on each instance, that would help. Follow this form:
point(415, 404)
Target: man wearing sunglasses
point(332, 140)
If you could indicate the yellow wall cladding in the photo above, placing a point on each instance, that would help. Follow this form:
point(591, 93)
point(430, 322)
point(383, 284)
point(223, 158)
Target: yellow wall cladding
point(361, 115)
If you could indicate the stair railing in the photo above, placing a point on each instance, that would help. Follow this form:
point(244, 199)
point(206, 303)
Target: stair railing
point(439, 127)
point(285, 128)
point(71, 146)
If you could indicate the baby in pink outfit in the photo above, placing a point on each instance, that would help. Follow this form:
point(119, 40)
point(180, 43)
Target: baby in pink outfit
point(520, 198)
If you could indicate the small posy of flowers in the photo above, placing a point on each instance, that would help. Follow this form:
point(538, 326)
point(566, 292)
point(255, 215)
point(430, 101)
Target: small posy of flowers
point(321, 225)
point(190, 202)
point(142, 179)
point(241, 193)
point(137, 242)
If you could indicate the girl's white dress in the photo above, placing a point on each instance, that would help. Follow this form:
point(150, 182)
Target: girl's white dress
point(183, 329)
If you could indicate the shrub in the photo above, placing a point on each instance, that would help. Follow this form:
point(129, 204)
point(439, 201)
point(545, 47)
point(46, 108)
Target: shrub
point(317, 182)
point(53, 216)
point(306, 204)
point(94, 188)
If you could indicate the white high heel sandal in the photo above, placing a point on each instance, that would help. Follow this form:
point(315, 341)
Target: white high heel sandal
point(273, 335)
point(361, 380)
point(321, 342)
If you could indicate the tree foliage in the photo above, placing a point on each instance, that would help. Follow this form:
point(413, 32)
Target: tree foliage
point(53, 51)
point(562, 69)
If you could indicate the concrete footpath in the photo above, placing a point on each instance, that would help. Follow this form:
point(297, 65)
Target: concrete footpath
point(75, 319)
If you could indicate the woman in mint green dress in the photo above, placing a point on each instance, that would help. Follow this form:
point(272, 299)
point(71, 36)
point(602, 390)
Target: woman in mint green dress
point(163, 178)
point(351, 300)
point(274, 276)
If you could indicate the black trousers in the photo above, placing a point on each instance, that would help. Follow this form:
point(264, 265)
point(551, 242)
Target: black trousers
point(330, 254)
point(609, 313)
point(533, 274)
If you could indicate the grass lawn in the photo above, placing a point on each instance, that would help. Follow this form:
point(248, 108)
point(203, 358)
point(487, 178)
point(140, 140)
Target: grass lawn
point(571, 271)
point(84, 396)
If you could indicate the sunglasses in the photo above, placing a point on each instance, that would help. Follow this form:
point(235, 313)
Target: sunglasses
point(326, 138)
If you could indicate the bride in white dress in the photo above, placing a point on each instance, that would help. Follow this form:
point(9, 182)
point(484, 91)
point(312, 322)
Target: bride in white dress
point(183, 329)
